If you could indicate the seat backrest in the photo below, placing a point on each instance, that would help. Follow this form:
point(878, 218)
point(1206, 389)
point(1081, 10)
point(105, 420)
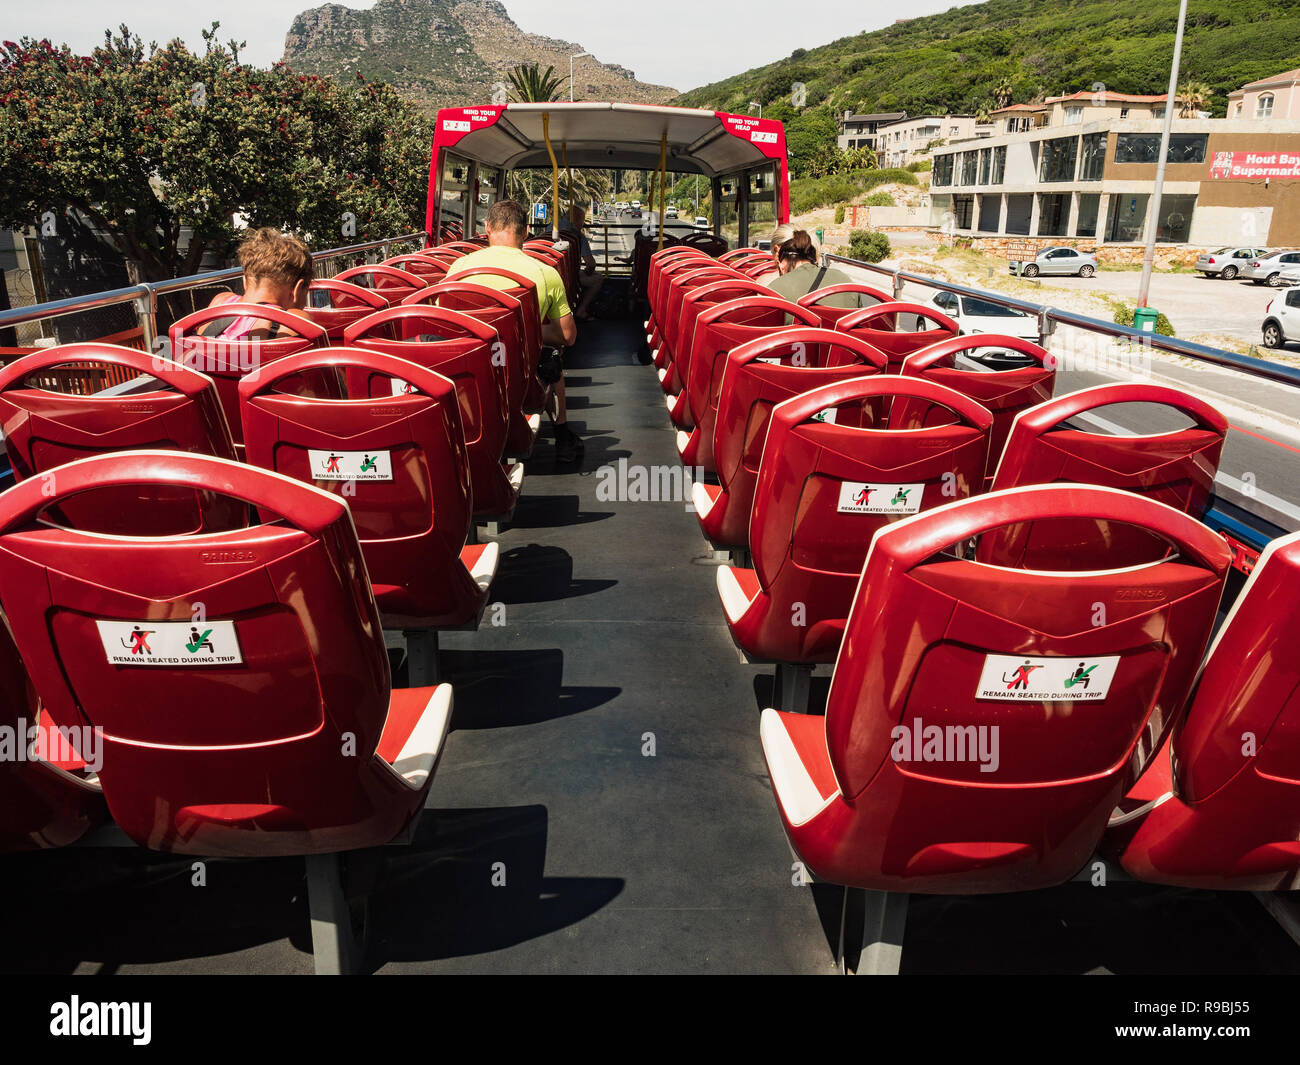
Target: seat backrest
point(867, 297)
point(1177, 468)
point(679, 284)
point(399, 461)
point(344, 303)
point(40, 805)
point(706, 242)
point(387, 281)
point(697, 298)
point(428, 268)
point(226, 671)
point(1004, 391)
point(951, 722)
point(642, 248)
point(665, 304)
point(227, 359)
point(742, 253)
point(460, 247)
point(523, 289)
point(457, 346)
point(878, 326)
point(658, 261)
point(181, 411)
point(831, 474)
point(494, 307)
point(718, 330)
point(757, 376)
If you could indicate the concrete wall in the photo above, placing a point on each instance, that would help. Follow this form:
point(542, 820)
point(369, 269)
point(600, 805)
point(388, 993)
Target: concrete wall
point(1217, 226)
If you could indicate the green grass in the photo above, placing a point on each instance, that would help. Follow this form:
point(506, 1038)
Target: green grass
point(807, 194)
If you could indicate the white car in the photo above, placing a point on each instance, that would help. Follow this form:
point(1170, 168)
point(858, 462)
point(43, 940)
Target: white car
point(670, 212)
point(1227, 263)
point(975, 315)
point(1282, 319)
point(1269, 268)
point(701, 222)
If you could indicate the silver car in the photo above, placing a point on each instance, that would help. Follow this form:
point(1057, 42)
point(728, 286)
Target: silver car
point(1059, 260)
point(1227, 263)
point(1269, 268)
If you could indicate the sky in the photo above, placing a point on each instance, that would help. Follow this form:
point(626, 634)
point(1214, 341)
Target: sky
point(688, 44)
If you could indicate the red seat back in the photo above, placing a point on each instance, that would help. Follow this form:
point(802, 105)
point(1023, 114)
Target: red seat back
point(400, 463)
point(1004, 392)
point(706, 242)
point(524, 289)
point(228, 671)
point(867, 297)
point(830, 476)
point(1177, 468)
point(658, 261)
point(718, 330)
point(428, 268)
point(40, 804)
point(697, 298)
point(459, 247)
point(1234, 817)
point(679, 283)
point(504, 313)
point(462, 352)
point(757, 376)
point(44, 429)
point(742, 253)
point(347, 303)
point(878, 326)
point(1074, 703)
point(387, 281)
point(226, 360)
point(643, 248)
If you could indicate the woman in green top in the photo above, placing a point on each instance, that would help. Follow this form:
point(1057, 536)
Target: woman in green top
point(800, 273)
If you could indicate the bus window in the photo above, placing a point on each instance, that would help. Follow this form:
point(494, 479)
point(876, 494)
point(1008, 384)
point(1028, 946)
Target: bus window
point(488, 186)
point(727, 214)
point(760, 202)
point(454, 204)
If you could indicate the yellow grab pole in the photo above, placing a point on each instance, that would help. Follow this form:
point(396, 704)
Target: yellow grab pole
point(663, 181)
point(555, 177)
point(564, 155)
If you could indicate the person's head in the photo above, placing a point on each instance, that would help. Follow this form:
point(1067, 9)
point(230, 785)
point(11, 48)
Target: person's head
point(506, 223)
point(578, 215)
point(277, 268)
point(799, 249)
point(780, 235)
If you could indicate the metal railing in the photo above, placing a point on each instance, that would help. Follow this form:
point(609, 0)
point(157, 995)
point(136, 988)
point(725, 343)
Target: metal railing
point(145, 296)
point(1049, 316)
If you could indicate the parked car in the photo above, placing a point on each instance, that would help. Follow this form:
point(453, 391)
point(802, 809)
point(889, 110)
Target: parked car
point(975, 315)
point(1059, 260)
point(1282, 319)
point(1227, 263)
point(1269, 267)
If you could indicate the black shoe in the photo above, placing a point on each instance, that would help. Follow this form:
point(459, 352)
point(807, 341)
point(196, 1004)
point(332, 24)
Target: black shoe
point(568, 445)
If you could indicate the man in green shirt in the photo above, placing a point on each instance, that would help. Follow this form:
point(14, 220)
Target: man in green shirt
point(800, 273)
point(507, 228)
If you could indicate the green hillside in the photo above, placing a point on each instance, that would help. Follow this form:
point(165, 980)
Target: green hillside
point(974, 58)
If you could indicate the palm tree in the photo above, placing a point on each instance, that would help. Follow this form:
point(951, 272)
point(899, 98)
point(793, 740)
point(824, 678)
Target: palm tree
point(1002, 94)
point(529, 86)
point(1191, 97)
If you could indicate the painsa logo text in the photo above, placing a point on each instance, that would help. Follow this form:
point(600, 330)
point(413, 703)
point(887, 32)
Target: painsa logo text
point(74, 1017)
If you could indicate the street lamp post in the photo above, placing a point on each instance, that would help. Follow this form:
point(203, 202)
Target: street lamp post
point(580, 55)
point(1148, 257)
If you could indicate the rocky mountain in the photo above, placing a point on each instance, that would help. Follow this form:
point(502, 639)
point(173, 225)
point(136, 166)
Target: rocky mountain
point(446, 53)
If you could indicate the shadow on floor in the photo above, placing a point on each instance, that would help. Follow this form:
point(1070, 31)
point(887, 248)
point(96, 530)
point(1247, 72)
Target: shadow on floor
point(540, 574)
point(500, 689)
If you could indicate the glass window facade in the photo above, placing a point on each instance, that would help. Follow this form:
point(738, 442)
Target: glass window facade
point(1145, 148)
point(1126, 217)
point(1089, 205)
point(1092, 157)
point(1056, 163)
point(969, 167)
point(999, 166)
point(1174, 225)
point(942, 171)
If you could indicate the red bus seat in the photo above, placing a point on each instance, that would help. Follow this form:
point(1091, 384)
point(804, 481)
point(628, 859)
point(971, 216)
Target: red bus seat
point(226, 360)
point(951, 758)
point(428, 268)
point(239, 679)
point(643, 248)
point(671, 349)
point(1219, 807)
point(878, 326)
point(742, 253)
point(658, 261)
point(504, 313)
point(463, 352)
point(1006, 392)
point(661, 342)
point(758, 376)
point(459, 247)
point(1177, 468)
point(867, 297)
point(718, 331)
point(181, 412)
point(41, 804)
point(345, 303)
point(824, 488)
point(412, 508)
point(525, 291)
point(695, 301)
point(387, 281)
point(707, 243)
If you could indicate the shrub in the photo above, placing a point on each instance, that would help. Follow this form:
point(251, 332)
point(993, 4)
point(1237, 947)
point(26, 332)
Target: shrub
point(920, 167)
point(807, 194)
point(868, 246)
point(1124, 316)
point(879, 199)
point(839, 214)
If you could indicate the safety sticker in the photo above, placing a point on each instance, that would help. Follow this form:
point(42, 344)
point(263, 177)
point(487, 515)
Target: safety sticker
point(763, 136)
point(351, 465)
point(859, 497)
point(1019, 677)
point(826, 414)
point(170, 643)
point(452, 126)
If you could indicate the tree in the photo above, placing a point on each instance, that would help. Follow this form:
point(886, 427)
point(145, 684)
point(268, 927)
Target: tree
point(529, 86)
point(1191, 97)
point(811, 141)
point(146, 145)
point(1002, 94)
